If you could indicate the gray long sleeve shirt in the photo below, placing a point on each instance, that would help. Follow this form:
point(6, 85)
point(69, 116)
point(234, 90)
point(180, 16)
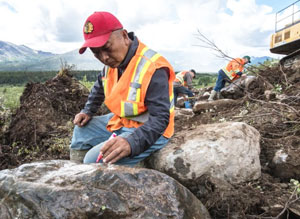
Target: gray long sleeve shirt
point(188, 78)
point(156, 100)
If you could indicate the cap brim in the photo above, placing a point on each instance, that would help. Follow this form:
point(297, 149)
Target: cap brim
point(98, 41)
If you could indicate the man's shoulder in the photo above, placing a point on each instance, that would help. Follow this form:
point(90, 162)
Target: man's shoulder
point(188, 74)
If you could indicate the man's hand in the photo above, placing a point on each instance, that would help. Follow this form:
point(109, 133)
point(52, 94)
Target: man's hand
point(115, 149)
point(81, 119)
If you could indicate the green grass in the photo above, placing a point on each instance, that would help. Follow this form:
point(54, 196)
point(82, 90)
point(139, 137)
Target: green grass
point(212, 84)
point(10, 96)
point(204, 80)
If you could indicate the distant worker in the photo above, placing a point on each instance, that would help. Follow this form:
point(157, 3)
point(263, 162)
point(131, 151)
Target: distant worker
point(231, 72)
point(183, 83)
point(136, 85)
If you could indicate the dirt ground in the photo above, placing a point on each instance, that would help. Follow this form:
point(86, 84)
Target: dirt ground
point(41, 129)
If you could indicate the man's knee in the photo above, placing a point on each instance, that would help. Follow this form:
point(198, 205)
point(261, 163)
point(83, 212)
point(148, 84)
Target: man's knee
point(77, 155)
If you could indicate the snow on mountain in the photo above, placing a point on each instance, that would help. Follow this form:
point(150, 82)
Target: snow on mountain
point(22, 58)
point(10, 52)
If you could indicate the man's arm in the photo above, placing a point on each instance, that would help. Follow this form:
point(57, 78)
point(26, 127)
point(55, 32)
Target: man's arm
point(158, 103)
point(95, 98)
point(189, 80)
point(92, 105)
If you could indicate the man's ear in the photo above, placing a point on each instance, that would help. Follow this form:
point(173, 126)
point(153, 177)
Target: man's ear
point(125, 35)
point(126, 38)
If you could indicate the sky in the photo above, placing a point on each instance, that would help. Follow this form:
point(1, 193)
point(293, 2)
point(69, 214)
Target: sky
point(170, 27)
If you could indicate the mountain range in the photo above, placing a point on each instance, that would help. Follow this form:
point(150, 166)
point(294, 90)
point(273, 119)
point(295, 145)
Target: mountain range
point(22, 58)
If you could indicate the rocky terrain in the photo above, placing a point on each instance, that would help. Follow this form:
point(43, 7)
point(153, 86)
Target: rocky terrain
point(267, 104)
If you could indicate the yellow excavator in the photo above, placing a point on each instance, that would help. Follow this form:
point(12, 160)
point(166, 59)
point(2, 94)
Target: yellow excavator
point(286, 39)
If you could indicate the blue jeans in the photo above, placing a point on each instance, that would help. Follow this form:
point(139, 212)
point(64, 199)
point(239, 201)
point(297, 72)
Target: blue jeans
point(221, 80)
point(93, 135)
point(181, 90)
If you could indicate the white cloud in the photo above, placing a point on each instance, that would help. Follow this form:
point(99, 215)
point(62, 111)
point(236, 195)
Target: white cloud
point(170, 27)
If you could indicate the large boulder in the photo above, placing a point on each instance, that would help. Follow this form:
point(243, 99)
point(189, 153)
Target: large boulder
point(63, 189)
point(228, 152)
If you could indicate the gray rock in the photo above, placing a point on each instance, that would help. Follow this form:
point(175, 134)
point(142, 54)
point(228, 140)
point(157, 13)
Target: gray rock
point(228, 152)
point(180, 101)
point(184, 114)
point(270, 95)
point(202, 106)
point(64, 189)
point(236, 89)
point(285, 163)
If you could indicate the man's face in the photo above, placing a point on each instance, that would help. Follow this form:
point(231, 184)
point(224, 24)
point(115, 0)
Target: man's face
point(114, 50)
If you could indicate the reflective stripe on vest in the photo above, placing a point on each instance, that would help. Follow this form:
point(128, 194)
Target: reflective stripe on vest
point(129, 109)
point(180, 77)
point(104, 76)
point(234, 66)
point(231, 74)
point(172, 103)
point(145, 116)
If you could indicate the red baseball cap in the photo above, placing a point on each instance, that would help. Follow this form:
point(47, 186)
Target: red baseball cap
point(98, 28)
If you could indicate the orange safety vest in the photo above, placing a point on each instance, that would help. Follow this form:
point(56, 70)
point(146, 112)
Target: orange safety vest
point(180, 78)
point(234, 66)
point(126, 97)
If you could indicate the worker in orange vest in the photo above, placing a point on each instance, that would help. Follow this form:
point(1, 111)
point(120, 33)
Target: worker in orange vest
point(183, 83)
point(231, 72)
point(136, 85)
